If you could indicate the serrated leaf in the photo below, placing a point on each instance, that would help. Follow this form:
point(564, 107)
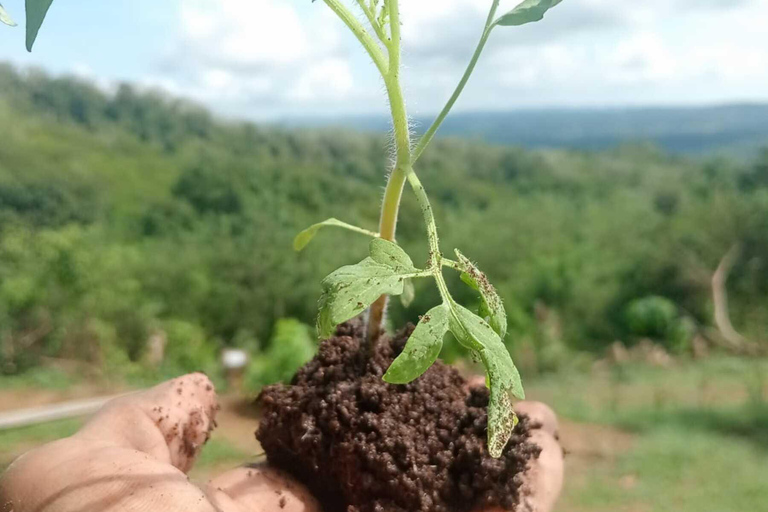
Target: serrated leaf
point(36, 11)
point(306, 236)
point(389, 253)
point(6, 18)
point(475, 334)
point(527, 12)
point(422, 347)
point(491, 306)
point(409, 293)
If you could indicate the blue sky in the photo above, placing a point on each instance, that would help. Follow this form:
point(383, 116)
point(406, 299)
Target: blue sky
point(262, 59)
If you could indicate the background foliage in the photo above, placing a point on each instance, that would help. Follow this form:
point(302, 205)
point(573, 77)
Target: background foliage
point(131, 214)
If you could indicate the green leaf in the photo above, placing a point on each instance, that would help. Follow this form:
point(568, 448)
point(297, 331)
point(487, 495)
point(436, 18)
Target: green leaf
point(391, 254)
point(6, 18)
point(36, 11)
point(475, 334)
point(306, 236)
point(422, 348)
point(527, 12)
point(409, 293)
point(348, 291)
point(491, 307)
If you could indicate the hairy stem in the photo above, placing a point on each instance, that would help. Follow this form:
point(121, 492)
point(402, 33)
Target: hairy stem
point(435, 256)
point(394, 190)
point(368, 42)
point(430, 133)
point(373, 21)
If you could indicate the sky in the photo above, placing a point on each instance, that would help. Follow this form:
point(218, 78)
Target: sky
point(271, 59)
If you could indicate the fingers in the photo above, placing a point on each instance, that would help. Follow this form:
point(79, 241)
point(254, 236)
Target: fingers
point(86, 475)
point(539, 414)
point(544, 478)
point(260, 489)
point(170, 422)
point(130, 457)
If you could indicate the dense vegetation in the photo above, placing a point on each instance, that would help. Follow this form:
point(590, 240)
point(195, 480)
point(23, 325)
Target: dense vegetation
point(129, 215)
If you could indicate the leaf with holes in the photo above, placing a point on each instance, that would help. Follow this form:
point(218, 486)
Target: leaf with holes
point(491, 307)
point(409, 293)
point(348, 291)
point(475, 334)
point(422, 347)
point(389, 253)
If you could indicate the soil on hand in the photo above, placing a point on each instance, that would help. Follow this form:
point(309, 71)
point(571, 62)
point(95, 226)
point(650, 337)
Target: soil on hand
point(363, 445)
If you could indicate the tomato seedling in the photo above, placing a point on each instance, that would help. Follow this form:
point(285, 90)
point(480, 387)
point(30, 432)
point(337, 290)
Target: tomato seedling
point(388, 270)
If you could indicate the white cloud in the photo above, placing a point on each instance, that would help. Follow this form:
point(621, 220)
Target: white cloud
point(255, 57)
point(270, 57)
point(328, 78)
point(243, 33)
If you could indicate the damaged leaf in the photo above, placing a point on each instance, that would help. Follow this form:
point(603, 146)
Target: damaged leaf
point(491, 307)
point(475, 334)
point(349, 291)
point(422, 348)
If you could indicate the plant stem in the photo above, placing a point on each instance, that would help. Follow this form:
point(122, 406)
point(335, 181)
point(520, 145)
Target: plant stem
point(435, 256)
point(430, 133)
point(394, 190)
point(373, 21)
point(452, 264)
point(370, 44)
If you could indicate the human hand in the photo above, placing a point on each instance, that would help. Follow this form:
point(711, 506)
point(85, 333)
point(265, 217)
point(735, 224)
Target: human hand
point(134, 455)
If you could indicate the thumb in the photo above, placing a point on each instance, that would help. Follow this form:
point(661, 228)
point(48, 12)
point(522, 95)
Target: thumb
point(170, 422)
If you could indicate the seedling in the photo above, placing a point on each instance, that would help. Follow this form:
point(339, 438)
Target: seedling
point(388, 270)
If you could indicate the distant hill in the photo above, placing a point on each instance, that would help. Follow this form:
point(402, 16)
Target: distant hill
point(738, 129)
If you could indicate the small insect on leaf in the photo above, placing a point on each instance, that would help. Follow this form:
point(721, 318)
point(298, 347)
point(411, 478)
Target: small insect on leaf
point(475, 334)
point(409, 293)
point(421, 349)
point(306, 236)
point(36, 11)
point(491, 307)
point(348, 291)
point(527, 12)
point(6, 18)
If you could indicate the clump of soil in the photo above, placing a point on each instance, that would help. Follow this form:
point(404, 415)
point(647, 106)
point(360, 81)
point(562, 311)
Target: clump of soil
point(362, 445)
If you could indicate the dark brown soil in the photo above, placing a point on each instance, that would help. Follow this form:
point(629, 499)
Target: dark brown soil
point(363, 445)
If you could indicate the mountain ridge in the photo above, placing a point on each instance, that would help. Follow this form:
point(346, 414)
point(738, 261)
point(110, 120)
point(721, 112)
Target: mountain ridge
point(732, 128)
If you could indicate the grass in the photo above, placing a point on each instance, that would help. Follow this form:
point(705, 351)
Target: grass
point(40, 377)
point(16, 441)
point(218, 456)
point(672, 469)
point(699, 435)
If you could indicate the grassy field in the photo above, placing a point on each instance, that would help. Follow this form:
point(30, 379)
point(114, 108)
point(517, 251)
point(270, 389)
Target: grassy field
point(692, 437)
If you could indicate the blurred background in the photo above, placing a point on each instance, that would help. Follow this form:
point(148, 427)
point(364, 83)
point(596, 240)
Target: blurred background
point(607, 168)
